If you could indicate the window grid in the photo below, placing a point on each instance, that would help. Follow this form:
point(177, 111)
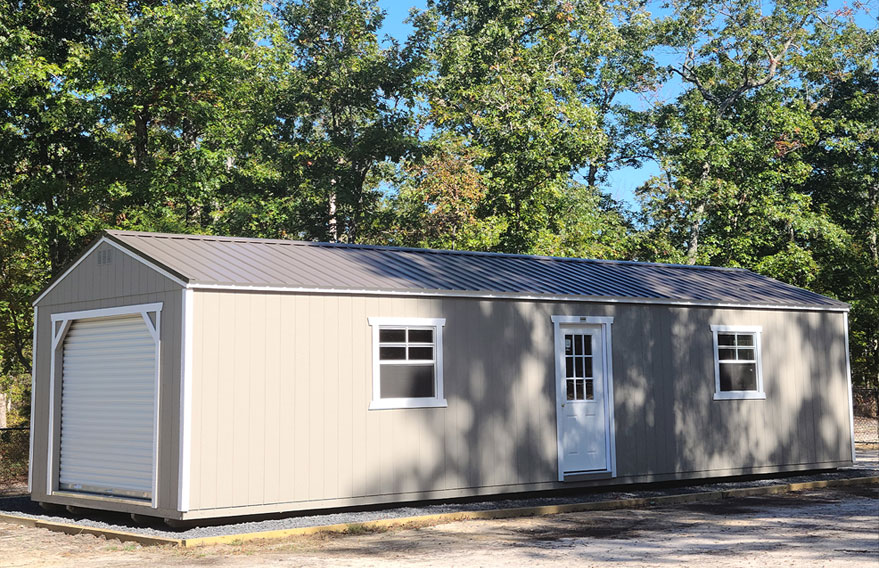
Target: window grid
point(407, 346)
point(579, 378)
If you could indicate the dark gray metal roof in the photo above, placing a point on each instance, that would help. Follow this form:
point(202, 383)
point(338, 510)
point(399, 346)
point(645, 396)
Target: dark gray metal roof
point(209, 261)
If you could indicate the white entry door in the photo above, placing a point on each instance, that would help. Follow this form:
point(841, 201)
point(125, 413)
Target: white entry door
point(582, 391)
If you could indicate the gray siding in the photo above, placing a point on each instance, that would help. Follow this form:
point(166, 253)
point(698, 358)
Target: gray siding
point(125, 281)
point(282, 383)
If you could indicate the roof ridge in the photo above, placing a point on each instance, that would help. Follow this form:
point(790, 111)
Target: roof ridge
point(449, 252)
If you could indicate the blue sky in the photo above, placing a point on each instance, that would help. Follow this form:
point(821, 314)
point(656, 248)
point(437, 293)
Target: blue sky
point(621, 183)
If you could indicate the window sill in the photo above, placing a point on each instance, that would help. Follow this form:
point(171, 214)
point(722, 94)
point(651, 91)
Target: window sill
point(740, 395)
point(396, 403)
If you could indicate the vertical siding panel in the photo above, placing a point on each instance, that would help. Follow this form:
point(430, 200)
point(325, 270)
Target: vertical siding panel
point(258, 423)
point(207, 312)
point(169, 397)
point(286, 404)
point(373, 418)
point(240, 405)
point(225, 313)
point(822, 385)
point(302, 344)
point(331, 398)
point(810, 385)
point(360, 376)
point(346, 328)
point(779, 384)
point(271, 410)
point(317, 396)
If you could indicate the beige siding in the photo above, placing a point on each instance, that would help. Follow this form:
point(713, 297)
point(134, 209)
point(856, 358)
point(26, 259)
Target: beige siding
point(282, 383)
point(125, 281)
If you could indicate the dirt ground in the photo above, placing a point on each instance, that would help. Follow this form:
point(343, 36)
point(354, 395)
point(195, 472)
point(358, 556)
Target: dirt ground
point(829, 528)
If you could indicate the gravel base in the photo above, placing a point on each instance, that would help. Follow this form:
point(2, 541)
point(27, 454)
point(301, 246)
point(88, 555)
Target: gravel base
point(23, 506)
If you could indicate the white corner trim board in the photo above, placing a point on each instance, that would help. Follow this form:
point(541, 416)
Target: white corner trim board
point(184, 475)
point(848, 375)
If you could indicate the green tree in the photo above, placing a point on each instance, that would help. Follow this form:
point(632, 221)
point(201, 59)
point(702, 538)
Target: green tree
point(509, 80)
point(347, 109)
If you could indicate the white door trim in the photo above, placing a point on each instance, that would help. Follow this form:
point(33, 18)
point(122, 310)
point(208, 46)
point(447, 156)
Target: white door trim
point(60, 326)
point(607, 358)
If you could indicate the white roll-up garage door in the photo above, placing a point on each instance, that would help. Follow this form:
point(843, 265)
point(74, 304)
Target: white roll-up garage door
point(108, 395)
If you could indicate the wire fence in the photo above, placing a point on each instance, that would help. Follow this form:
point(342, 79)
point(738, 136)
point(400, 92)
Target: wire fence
point(14, 448)
point(865, 403)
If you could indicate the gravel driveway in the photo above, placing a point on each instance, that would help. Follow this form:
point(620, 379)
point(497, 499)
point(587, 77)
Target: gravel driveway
point(830, 528)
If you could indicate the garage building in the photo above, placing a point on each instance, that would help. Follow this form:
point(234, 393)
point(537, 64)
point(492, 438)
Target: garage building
point(190, 377)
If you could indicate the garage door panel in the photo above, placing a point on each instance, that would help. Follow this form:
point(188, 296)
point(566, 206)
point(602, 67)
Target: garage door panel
point(108, 407)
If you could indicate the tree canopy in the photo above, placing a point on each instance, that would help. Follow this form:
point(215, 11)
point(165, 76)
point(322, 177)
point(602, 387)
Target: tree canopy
point(495, 125)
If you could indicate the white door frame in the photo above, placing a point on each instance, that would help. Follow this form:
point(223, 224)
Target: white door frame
point(61, 323)
point(606, 351)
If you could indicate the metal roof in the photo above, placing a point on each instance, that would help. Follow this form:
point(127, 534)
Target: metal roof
point(230, 262)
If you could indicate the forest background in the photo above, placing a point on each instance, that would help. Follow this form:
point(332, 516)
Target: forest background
point(494, 125)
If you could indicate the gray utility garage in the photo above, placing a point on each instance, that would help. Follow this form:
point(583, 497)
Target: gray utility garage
point(190, 377)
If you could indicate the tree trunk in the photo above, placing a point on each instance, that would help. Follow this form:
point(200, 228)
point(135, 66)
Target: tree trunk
point(333, 224)
point(695, 227)
point(141, 139)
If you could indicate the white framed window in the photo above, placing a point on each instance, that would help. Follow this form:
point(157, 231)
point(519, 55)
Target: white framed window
point(738, 370)
point(407, 363)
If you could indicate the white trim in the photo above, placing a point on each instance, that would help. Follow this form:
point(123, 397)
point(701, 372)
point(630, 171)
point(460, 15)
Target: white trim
point(58, 334)
point(110, 242)
point(184, 463)
point(759, 393)
point(438, 401)
point(510, 296)
point(593, 320)
point(848, 375)
point(106, 312)
point(604, 337)
point(154, 332)
point(30, 454)
point(392, 403)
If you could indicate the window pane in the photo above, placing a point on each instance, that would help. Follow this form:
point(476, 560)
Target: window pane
point(590, 393)
point(579, 389)
point(587, 344)
point(578, 365)
point(746, 354)
point(421, 336)
point(420, 353)
point(588, 371)
point(569, 345)
point(569, 366)
point(391, 353)
point(726, 339)
point(570, 388)
point(392, 335)
point(738, 377)
point(726, 354)
point(746, 340)
point(407, 381)
point(578, 345)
